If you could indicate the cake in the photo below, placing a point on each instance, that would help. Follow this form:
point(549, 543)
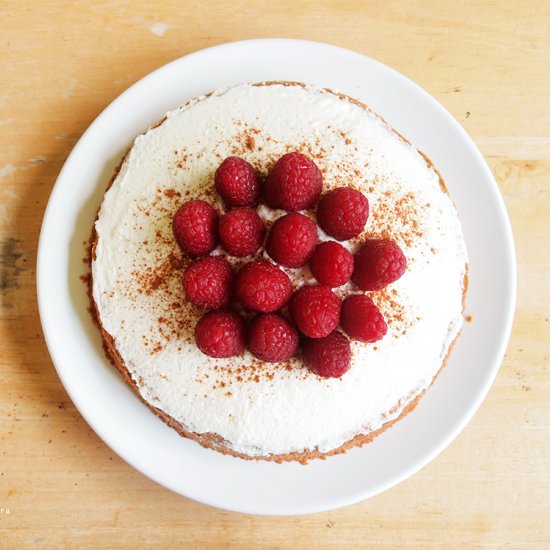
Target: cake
point(241, 405)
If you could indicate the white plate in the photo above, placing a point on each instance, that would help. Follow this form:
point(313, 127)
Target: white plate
point(141, 439)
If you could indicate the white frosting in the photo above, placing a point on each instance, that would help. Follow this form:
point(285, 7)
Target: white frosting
point(256, 408)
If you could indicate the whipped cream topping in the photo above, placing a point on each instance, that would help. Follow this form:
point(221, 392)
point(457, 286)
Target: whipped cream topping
point(258, 408)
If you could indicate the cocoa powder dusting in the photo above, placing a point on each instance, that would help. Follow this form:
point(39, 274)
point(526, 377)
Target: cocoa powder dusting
point(172, 194)
point(395, 218)
point(395, 314)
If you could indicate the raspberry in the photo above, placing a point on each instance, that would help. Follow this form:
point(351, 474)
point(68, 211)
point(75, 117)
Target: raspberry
point(343, 213)
point(242, 232)
point(378, 263)
point(195, 227)
point(329, 357)
point(331, 264)
point(220, 333)
point(294, 183)
point(261, 286)
point(237, 182)
point(315, 310)
point(272, 338)
point(291, 240)
point(362, 320)
point(207, 282)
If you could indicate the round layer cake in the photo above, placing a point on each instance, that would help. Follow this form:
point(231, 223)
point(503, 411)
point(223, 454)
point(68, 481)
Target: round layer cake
point(241, 405)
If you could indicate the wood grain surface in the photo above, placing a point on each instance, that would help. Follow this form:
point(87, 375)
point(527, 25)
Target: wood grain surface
point(62, 62)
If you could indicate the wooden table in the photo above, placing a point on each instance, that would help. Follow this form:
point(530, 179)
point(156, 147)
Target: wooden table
point(61, 63)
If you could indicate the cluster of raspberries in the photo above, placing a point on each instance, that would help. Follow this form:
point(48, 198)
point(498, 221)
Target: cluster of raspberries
point(293, 184)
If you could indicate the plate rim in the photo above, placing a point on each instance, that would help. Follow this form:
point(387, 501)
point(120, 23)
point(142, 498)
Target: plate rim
point(498, 202)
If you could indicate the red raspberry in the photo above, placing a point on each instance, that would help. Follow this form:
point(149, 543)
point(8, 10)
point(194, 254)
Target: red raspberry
point(291, 240)
point(378, 263)
point(242, 232)
point(195, 227)
point(315, 310)
point(221, 333)
point(237, 182)
point(329, 357)
point(294, 183)
point(343, 213)
point(331, 264)
point(362, 319)
point(261, 286)
point(207, 282)
point(272, 338)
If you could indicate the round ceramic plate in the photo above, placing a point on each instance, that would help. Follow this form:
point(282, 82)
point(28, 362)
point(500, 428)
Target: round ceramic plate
point(140, 438)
